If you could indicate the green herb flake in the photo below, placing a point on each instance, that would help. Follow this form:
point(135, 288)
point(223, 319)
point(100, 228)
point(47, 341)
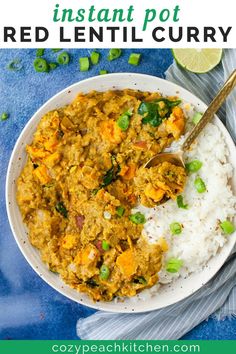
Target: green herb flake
point(60, 208)
point(137, 218)
point(103, 72)
point(114, 54)
point(110, 176)
point(134, 59)
point(175, 228)
point(95, 56)
point(4, 116)
point(120, 211)
point(180, 202)
point(40, 65)
point(173, 265)
point(105, 245)
point(197, 117)
point(84, 64)
point(227, 227)
point(52, 66)
point(193, 166)
point(124, 120)
point(63, 58)
point(104, 272)
point(15, 65)
point(40, 52)
point(199, 185)
point(56, 50)
point(140, 280)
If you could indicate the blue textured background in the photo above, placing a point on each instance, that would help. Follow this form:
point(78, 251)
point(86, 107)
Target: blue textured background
point(29, 308)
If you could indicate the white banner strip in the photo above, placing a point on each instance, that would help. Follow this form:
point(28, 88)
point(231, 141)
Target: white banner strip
point(117, 23)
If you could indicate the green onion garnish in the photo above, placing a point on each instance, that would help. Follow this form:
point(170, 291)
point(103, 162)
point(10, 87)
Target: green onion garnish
point(40, 65)
point(40, 52)
point(199, 185)
point(63, 58)
point(95, 57)
point(120, 211)
point(196, 118)
point(227, 227)
point(104, 272)
point(14, 65)
point(105, 245)
point(137, 218)
point(180, 202)
point(134, 59)
point(56, 50)
point(175, 228)
point(60, 207)
point(123, 121)
point(103, 72)
point(84, 64)
point(52, 66)
point(4, 116)
point(114, 54)
point(140, 280)
point(173, 265)
point(193, 166)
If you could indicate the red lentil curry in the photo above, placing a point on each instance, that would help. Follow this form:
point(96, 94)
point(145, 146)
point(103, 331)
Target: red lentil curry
point(83, 176)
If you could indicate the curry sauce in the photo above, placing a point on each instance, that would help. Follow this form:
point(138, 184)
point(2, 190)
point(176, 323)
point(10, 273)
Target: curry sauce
point(83, 177)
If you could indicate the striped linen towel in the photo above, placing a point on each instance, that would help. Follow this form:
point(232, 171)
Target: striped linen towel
point(218, 296)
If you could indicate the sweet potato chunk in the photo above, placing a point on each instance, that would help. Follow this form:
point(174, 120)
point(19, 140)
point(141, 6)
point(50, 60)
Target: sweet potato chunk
point(127, 264)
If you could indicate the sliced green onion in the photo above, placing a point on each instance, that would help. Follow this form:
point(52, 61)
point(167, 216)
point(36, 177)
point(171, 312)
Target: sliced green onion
point(175, 228)
point(199, 185)
point(104, 272)
point(40, 52)
point(103, 72)
point(193, 166)
point(197, 117)
point(137, 218)
point(84, 63)
point(140, 280)
point(105, 245)
point(227, 227)
point(95, 57)
point(63, 58)
point(134, 59)
point(52, 66)
point(60, 208)
point(40, 65)
point(56, 50)
point(4, 116)
point(114, 54)
point(173, 265)
point(120, 211)
point(180, 202)
point(123, 121)
point(15, 65)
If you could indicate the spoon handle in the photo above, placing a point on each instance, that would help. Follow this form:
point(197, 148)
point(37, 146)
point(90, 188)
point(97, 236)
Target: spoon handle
point(211, 110)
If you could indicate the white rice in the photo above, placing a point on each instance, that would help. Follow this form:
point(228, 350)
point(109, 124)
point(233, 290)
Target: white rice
point(201, 235)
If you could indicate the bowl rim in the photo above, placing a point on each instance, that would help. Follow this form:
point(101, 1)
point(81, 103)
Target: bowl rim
point(101, 305)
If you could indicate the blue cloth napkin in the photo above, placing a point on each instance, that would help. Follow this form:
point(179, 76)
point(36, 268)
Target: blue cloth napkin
point(218, 296)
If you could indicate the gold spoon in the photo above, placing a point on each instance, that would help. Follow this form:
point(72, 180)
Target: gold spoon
point(177, 158)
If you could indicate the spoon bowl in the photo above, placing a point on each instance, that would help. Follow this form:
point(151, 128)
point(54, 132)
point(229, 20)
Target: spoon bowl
point(177, 158)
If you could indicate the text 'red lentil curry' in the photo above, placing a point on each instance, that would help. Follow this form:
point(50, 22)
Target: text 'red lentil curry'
point(83, 176)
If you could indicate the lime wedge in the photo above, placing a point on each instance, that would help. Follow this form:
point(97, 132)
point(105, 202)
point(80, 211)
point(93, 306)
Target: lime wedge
point(198, 61)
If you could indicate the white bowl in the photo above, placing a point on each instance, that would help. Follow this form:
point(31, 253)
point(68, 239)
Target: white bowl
point(168, 294)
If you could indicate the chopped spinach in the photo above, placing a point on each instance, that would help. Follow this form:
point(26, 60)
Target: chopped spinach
point(140, 280)
point(151, 111)
point(110, 176)
point(60, 207)
point(91, 282)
